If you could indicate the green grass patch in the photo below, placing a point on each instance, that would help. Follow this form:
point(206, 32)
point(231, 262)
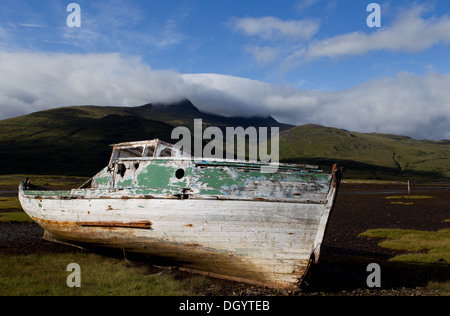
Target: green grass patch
point(9, 203)
point(430, 247)
point(402, 203)
point(15, 217)
point(46, 275)
point(410, 197)
point(430, 250)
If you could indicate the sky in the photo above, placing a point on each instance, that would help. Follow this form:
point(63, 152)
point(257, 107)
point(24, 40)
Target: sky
point(337, 63)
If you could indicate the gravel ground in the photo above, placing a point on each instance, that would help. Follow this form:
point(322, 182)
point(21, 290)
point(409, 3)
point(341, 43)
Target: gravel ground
point(341, 270)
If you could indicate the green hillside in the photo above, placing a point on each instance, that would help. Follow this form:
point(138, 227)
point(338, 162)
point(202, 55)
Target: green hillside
point(64, 141)
point(371, 155)
point(75, 141)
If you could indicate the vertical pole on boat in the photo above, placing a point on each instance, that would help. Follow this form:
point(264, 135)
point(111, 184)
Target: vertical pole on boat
point(409, 189)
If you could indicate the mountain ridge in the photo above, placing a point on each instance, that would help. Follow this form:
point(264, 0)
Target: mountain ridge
point(76, 139)
point(374, 153)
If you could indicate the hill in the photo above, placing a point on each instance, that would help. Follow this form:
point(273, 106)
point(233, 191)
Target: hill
point(374, 155)
point(75, 140)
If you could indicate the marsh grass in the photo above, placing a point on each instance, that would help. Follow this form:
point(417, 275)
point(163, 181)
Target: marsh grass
point(433, 246)
point(402, 203)
point(15, 217)
point(410, 197)
point(9, 203)
point(46, 275)
point(429, 249)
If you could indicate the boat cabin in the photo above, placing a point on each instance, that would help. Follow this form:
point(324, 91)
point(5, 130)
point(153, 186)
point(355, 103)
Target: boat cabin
point(144, 164)
point(146, 149)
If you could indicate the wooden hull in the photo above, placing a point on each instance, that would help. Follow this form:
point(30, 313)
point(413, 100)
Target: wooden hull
point(263, 242)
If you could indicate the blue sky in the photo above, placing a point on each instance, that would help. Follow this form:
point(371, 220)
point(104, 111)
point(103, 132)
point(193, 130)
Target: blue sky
point(305, 61)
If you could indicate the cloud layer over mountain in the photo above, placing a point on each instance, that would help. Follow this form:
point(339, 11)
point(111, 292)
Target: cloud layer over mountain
point(406, 104)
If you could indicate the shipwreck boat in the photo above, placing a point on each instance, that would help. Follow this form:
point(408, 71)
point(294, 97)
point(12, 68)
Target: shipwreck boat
point(219, 217)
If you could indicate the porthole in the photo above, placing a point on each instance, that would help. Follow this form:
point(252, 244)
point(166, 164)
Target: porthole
point(179, 174)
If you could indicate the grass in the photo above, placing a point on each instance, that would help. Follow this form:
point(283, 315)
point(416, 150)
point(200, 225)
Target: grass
point(11, 211)
point(410, 197)
point(437, 244)
point(46, 275)
point(402, 203)
point(15, 217)
point(9, 203)
point(377, 156)
point(427, 248)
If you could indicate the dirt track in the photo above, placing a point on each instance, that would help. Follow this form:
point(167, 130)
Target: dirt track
point(345, 255)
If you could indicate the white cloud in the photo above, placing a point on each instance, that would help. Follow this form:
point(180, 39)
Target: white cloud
point(410, 33)
point(271, 28)
point(292, 43)
point(36, 81)
point(305, 4)
point(31, 25)
point(407, 104)
point(170, 35)
point(265, 54)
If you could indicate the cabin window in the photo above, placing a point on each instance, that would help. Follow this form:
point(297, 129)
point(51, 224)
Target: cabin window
point(130, 152)
point(121, 169)
point(166, 152)
point(149, 151)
